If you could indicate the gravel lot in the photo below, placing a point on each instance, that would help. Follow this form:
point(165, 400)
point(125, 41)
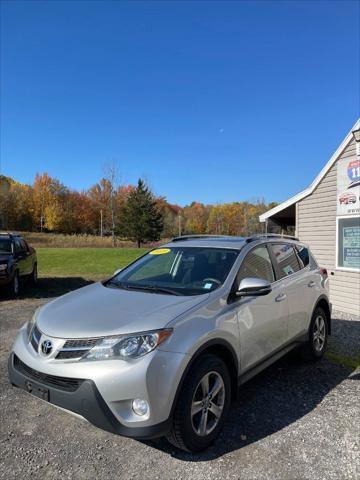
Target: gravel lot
point(293, 421)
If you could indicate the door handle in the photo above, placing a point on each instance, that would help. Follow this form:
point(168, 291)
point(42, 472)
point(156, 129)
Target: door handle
point(280, 297)
point(311, 284)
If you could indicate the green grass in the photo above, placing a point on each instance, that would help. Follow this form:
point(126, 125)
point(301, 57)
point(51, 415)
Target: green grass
point(351, 362)
point(85, 262)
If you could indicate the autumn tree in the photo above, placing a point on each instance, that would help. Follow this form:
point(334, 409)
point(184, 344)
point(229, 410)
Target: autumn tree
point(22, 206)
point(49, 196)
point(142, 220)
point(16, 205)
point(194, 218)
point(5, 201)
point(99, 195)
point(50, 206)
point(82, 214)
point(170, 214)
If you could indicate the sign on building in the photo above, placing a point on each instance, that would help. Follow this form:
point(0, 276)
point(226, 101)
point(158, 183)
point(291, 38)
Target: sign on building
point(348, 187)
point(348, 214)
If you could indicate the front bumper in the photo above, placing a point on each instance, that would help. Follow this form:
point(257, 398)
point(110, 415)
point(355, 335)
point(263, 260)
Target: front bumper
point(154, 377)
point(85, 400)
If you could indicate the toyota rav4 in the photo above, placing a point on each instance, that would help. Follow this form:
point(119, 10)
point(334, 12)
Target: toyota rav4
point(161, 348)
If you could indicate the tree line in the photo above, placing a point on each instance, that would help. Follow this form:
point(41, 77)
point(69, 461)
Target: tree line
point(130, 211)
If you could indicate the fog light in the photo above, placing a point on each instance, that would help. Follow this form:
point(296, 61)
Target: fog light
point(140, 407)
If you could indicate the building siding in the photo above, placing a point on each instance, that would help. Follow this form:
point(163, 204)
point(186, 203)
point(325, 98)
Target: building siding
point(316, 226)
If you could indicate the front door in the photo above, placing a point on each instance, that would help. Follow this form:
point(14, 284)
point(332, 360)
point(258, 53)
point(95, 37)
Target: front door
point(263, 321)
point(23, 258)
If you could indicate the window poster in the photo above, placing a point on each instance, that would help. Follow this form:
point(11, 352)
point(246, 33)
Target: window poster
point(349, 242)
point(348, 187)
point(351, 246)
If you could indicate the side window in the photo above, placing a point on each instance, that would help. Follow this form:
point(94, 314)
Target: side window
point(285, 258)
point(24, 247)
point(18, 248)
point(257, 264)
point(303, 255)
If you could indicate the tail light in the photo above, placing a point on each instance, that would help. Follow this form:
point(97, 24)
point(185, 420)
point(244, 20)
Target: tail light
point(324, 272)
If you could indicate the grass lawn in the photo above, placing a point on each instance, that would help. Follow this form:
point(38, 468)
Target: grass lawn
point(86, 262)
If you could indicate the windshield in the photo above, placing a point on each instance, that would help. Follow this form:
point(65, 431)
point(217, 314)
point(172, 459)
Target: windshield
point(178, 271)
point(5, 245)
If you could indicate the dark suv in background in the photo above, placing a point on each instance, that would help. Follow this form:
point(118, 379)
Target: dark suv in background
point(17, 261)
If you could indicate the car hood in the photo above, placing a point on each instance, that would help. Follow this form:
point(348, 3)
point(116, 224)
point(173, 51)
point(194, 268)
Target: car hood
point(4, 258)
point(96, 311)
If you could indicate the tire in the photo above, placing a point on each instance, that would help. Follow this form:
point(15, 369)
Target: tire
point(34, 275)
point(314, 349)
point(14, 286)
point(194, 432)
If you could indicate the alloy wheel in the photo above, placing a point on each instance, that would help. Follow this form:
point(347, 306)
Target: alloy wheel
point(208, 403)
point(319, 333)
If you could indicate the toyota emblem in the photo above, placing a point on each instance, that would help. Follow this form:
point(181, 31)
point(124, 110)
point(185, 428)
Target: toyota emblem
point(46, 347)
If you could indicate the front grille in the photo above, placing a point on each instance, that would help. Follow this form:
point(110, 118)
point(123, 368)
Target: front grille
point(35, 338)
point(76, 348)
point(67, 354)
point(62, 383)
point(81, 343)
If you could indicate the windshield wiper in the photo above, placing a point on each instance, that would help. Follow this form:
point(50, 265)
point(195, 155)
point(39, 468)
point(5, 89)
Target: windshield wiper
point(148, 288)
point(152, 288)
point(114, 283)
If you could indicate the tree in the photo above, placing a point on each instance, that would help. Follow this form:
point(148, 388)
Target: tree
point(48, 198)
point(170, 214)
point(101, 195)
point(142, 220)
point(5, 201)
point(195, 217)
point(111, 174)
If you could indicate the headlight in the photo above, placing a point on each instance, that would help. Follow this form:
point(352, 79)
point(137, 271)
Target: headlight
point(127, 346)
point(3, 267)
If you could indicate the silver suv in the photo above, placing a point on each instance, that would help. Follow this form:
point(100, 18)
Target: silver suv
point(160, 348)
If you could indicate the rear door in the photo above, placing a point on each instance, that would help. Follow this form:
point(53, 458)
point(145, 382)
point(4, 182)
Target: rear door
point(262, 320)
point(300, 286)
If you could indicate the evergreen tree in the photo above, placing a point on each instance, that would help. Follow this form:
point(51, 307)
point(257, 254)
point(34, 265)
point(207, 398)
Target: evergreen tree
point(142, 220)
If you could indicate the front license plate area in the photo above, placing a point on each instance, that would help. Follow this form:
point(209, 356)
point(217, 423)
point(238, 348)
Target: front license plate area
point(37, 390)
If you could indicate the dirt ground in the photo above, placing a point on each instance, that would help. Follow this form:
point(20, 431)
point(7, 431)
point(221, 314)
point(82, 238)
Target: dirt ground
point(293, 421)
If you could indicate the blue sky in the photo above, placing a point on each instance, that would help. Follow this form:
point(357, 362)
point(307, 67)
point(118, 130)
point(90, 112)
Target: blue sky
point(209, 101)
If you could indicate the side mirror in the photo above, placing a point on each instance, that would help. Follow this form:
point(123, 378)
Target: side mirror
point(117, 271)
point(253, 287)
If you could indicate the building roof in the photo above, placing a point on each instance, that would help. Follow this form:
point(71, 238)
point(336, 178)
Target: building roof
point(308, 191)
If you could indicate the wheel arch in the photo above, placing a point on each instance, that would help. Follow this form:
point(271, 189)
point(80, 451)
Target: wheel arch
point(323, 302)
point(222, 349)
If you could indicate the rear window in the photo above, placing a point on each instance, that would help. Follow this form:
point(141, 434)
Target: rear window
point(303, 255)
point(285, 258)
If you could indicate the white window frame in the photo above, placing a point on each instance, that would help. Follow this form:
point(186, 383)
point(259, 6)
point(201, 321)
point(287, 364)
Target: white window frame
point(339, 267)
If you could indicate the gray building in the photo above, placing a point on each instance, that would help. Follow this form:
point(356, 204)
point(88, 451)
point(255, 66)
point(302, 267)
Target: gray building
point(326, 216)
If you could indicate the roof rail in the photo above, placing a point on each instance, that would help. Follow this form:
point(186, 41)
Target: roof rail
point(190, 237)
point(271, 235)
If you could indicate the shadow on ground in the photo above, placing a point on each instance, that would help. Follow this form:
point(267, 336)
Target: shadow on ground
point(279, 396)
point(49, 287)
